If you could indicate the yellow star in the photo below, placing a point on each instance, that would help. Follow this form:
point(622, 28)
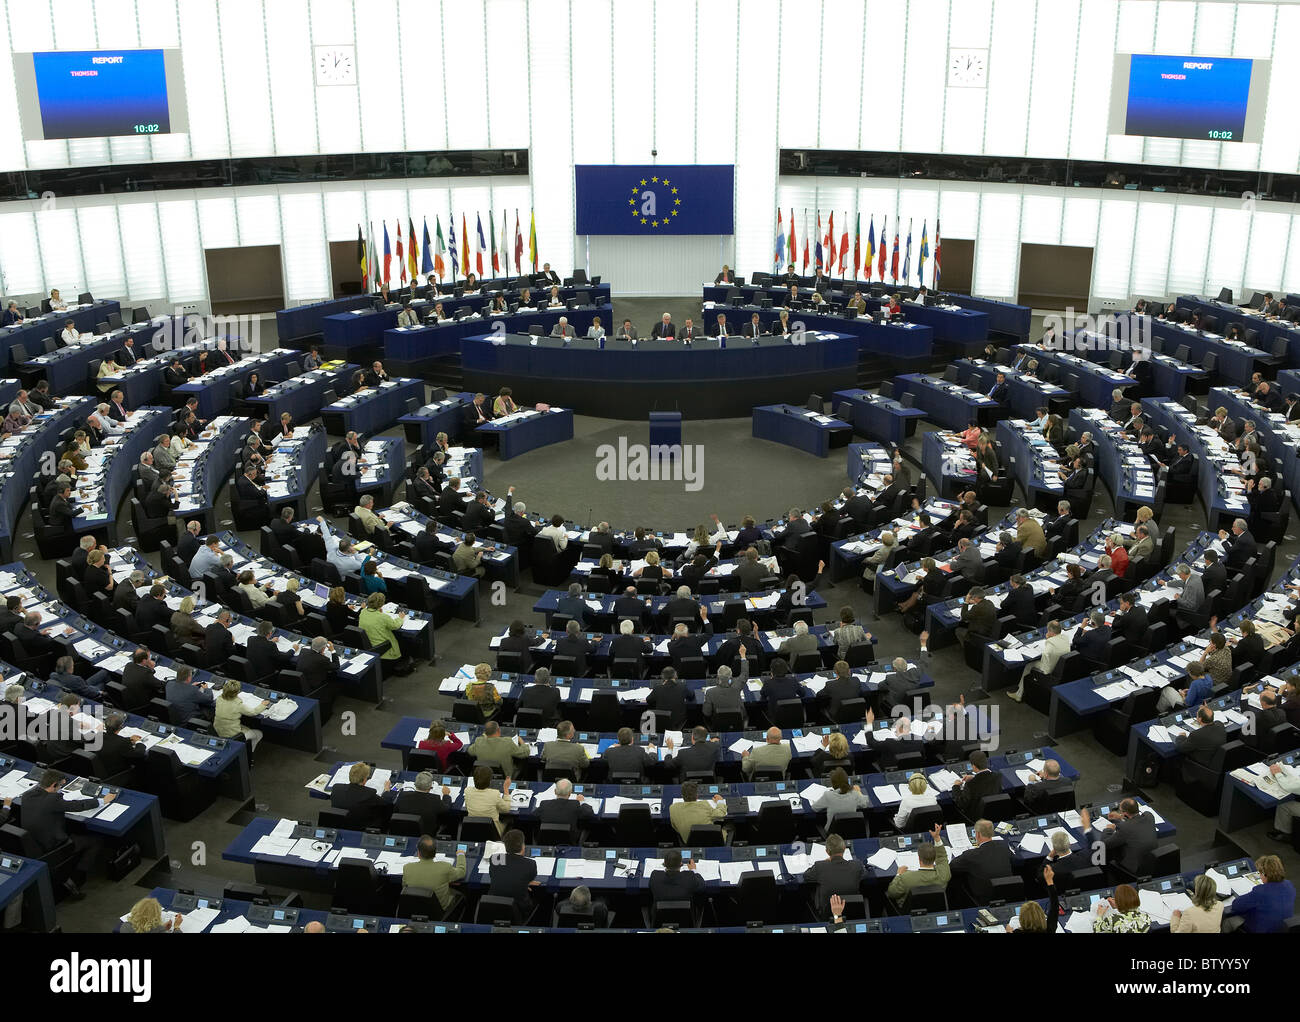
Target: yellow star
point(674, 190)
point(643, 181)
point(674, 212)
point(677, 202)
point(667, 182)
point(654, 179)
point(654, 223)
point(643, 219)
point(631, 202)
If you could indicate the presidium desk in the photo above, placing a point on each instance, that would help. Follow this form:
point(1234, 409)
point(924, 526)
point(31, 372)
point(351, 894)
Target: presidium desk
point(622, 381)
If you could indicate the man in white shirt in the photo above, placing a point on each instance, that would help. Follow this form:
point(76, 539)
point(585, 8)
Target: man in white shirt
point(105, 423)
point(70, 334)
point(338, 551)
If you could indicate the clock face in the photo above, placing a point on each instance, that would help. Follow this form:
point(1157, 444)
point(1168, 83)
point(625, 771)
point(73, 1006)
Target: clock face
point(336, 65)
point(968, 69)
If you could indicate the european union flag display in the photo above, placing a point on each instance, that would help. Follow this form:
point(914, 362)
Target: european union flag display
point(655, 199)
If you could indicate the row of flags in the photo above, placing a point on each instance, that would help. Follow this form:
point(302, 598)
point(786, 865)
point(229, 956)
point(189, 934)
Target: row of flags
point(822, 253)
point(437, 255)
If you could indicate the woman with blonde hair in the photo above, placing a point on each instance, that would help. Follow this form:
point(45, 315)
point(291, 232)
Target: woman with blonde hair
point(1143, 517)
point(1204, 915)
point(337, 614)
point(146, 917)
point(184, 627)
point(289, 599)
point(919, 795)
point(1032, 918)
point(835, 749)
point(651, 568)
point(227, 716)
point(482, 692)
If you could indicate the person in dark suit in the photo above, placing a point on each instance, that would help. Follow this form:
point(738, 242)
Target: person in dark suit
point(1066, 863)
point(989, 860)
point(451, 501)
point(575, 645)
point(670, 696)
point(422, 487)
point(1214, 576)
point(1092, 640)
point(117, 754)
point(699, 755)
point(34, 641)
point(780, 686)
point(364, 805)
point(12, 613)
point(512, 875)
point(1037, 796)
point(629, 759)
point(842, 688)
point(1000, 389)
point(247, 489)
point(796, 526)
point(979, 618)
point(478, 514)
point(1130, 836)
point(44, 811)
point(672, 883)
point(972, 787)
point(571, 606)
point(424, 802)
point(217, 640)
point(664, 330)
point(426, 542)
point(1263, 720)
point(519, 531)
point(264, 655)
point(566, 809)
point(520, 639)
point(628, 645)
point(1241, 545)
point(190, 541)
point(1019, 602)
point(834, 876)
point(542, 695)
point(1131, 619)
point(187, 699)
point(139, 680)
point(282, 528)
point(318, 665)
point(61, 512)
point(97, 578)
point(153, 609)
point(1201, 744)
point(685, 646)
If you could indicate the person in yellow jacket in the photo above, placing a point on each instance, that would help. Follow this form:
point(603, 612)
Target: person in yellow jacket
point(687, 813)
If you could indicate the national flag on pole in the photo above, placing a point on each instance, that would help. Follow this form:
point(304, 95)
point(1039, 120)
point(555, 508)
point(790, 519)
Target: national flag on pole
point(401, 263)
point(413, 253)
point(857, 243)
point(871, 247)
point(532, 238)
point(830, 244)
point(492, 246)
point(778, 254)
point(388, 256)
point(464, 246)
point(482, 244)
point(426, 265)
point(361, 258)
point(818, 251)
point(844, 246)
point(794, 249)
point(805, 239)
point(505, 243)
point(519, 245)
point(936, 253)
point(893, 262)
point(451, 244)
point(373, 260)
point(884, 246)
point(923, 256)
point(907, 258)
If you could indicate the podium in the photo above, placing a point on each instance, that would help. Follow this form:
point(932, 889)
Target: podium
point(666, 429)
